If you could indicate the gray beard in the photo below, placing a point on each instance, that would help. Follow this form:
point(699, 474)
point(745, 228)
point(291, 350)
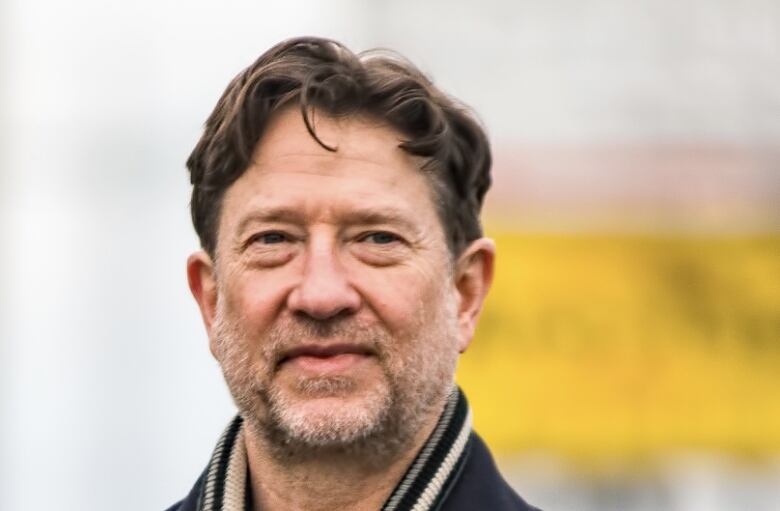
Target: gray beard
point(390, 434)
point(411, 393)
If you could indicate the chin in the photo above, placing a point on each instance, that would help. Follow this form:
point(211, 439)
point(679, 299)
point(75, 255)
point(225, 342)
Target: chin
point(329, 411)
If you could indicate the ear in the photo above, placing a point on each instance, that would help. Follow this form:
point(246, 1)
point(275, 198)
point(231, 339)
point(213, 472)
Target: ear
point(203, 285)
point(473, 276)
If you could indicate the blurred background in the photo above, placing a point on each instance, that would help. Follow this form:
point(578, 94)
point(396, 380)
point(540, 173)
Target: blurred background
point(628, 356)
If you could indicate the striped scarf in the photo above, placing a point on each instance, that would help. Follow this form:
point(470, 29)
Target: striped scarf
point(423, 488)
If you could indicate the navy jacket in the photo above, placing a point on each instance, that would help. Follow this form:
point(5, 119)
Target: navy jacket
point(477, 487)
point(453, 471)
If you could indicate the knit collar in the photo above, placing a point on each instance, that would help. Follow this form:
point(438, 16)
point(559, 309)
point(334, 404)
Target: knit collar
point(424, 486)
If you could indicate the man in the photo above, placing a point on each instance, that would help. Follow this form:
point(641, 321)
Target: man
point(337, 202)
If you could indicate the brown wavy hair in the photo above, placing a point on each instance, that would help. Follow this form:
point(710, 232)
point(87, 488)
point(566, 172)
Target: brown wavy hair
point(324, 75)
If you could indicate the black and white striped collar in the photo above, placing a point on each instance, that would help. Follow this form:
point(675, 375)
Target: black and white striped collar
point(423, 488)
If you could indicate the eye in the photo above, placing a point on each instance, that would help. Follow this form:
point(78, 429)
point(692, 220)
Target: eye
point(269, 238)
point(270, 248)
point(380, 237)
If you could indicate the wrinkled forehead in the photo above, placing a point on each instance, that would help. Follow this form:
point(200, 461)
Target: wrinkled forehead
point(366, 170)
point(370, 143)
point(358, 136)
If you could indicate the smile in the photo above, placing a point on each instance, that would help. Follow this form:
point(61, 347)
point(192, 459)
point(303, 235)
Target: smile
point(325, 359)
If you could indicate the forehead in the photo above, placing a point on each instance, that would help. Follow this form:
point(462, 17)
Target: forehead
point(353, 137)
point(367, 170)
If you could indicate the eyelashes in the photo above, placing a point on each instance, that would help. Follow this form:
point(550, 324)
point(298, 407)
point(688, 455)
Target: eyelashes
point(276, 237)
point(275, 247)
point(381, 237)
point(269, 238)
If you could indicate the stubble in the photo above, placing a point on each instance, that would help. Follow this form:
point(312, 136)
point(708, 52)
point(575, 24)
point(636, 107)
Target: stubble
point(416, 375)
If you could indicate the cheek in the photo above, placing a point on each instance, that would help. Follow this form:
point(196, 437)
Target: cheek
point(257, 299)
point(248, 307)
point(404, 301)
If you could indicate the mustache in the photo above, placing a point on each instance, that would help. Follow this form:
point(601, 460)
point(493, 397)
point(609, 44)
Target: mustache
point(290, 336)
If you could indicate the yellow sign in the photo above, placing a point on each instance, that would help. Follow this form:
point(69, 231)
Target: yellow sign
point(625, 347)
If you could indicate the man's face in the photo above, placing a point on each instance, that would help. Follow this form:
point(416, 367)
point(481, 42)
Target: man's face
point(336, 314)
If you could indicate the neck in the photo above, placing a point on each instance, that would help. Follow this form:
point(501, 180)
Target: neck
point(338, 479)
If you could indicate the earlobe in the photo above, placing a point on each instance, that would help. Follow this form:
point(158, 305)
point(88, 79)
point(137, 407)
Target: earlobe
point(473, 277)
point(203, 285)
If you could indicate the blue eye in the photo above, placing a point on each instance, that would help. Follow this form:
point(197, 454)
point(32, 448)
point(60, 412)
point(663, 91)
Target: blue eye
point(270, 238)
point(381, 238)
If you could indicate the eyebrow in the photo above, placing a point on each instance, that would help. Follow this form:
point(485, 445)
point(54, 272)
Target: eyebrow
point(367, 216)
point(283, 215)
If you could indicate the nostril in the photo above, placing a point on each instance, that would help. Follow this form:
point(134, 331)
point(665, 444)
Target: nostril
point(322, 327)
point(323, 302)
point(324, 314)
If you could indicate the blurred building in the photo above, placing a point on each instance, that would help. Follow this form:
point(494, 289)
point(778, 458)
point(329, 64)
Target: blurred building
point(633, 332)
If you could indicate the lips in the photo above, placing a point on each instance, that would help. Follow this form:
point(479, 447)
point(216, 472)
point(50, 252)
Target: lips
point(324, 358)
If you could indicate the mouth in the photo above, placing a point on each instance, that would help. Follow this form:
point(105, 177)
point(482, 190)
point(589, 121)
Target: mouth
point(325, 358)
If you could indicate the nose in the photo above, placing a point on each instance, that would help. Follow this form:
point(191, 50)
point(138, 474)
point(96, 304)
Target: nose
point(324, 290)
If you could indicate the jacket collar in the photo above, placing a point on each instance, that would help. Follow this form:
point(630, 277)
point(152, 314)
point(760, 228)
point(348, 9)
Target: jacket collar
point(426, 483)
